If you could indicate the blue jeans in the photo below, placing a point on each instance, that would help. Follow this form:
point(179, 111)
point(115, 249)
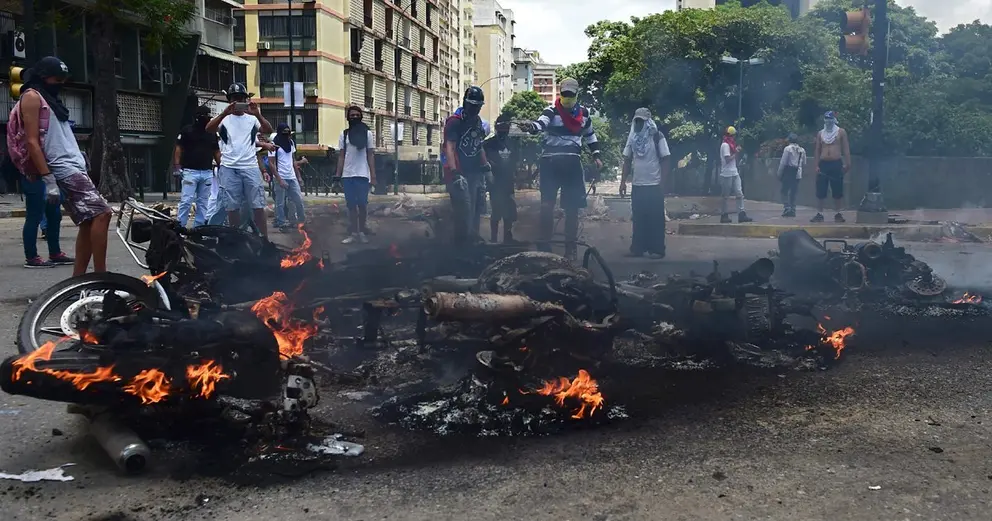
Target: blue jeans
point(295, 195)
point(37, 208)
point(196, 186)
point(468, 200)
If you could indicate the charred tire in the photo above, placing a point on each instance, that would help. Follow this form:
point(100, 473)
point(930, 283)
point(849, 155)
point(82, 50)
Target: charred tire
point(38, 310)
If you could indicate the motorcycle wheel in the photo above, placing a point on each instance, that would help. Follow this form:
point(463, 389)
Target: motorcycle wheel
point(87, 289)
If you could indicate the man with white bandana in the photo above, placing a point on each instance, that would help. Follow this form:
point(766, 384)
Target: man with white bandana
point(832, 159)
point(646, 160)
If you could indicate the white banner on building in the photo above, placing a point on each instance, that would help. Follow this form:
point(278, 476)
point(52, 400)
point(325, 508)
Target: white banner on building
point(297, 94)
point(398, 129)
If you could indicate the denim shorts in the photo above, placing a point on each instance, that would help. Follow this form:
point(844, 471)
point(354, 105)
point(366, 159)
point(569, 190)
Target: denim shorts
point(356, 191)
point(240, 186)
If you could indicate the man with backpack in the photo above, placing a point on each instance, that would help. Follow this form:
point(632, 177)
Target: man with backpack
point(466, 166)
point(42, 146)
point(646, 160)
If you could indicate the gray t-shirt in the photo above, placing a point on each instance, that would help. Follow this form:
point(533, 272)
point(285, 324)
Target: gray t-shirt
point(645, 165)
point(62, 151)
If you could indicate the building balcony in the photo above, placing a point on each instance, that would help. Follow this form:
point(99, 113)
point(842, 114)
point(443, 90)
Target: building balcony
point(217, 34)
point(274, 90)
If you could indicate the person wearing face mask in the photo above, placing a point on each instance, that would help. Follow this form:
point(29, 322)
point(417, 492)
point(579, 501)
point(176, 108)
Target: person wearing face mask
point(566, 125)
point(286, 172)
point(466, 166)
point(193, 159)
point(646, 160)
point(42, 145)
point(730, 177)
point(833, 159)
point(356, 168)
point(503, 158)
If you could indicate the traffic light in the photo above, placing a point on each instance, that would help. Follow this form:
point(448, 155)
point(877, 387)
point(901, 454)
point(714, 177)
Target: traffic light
point(16, 81)
point(855, 26)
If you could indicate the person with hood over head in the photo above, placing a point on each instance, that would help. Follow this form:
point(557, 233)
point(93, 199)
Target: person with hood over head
point(566, 125)
point(730, 178)
point(466, 166)
point(53, 156)
point(285, 171)
point(646, 160)
point(503, 157)
point(194, 158)
point(356, 168)
point(790, 171)
point(833, 159)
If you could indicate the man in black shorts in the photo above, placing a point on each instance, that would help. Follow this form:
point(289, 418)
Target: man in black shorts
point(833, 160)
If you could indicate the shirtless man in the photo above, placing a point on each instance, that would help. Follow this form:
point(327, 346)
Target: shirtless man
point(833, 160)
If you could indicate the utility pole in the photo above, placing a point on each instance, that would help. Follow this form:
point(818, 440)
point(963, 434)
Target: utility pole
point(872, 208)
point(292, 68)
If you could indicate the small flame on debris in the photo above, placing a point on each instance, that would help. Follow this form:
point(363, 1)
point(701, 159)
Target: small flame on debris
point(506, 400)
point(150, 280)
point(88, 337)
point(204, 377)
point(276, 311)
point(150, 385)
point(301, 254)
point(836, 339)
point(969, 298)
point(80, 381)
point(582, 387)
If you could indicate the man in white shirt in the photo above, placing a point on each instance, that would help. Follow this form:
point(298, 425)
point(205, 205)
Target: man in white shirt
point(790, 171)
point(240, 179)
point(285, 171)
point(646, 160)
point(730, 178)
point(356, 168)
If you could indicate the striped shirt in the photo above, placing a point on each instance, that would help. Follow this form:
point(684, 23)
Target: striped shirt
point(559, 140)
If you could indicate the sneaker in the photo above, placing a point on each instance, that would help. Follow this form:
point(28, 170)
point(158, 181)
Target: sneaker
point(362, 238)
point(351, 239)
point(656, 256)
point(818, 218)
point(725, 218)
point(839, 218)
point(62, 260)
point(786, 212)
point(43, 235)
point(743, 218)
point(38, 262)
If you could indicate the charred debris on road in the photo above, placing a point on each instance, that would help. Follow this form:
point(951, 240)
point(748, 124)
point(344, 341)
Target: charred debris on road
point(490, 340)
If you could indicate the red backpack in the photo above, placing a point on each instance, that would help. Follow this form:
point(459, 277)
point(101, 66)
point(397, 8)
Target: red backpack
point(17, 143)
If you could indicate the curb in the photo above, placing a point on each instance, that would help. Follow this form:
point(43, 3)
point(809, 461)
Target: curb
point(827, 231)
point(12, 213)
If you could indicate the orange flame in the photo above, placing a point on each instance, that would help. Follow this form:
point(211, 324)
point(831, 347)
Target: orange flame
point(301, 254)
point(276, 312)
point(205, 377)
point(150, 280)
point(88, 338)
point(151, 385)
point(80, 381)
point(969, 298)
point(837, 339)
point(506, 400)
point(583, 388)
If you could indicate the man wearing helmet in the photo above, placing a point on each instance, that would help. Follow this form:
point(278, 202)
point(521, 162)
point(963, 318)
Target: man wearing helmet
point(466, 166)
point(240, 179)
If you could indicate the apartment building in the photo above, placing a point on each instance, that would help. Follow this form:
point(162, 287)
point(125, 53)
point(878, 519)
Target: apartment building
point(495, 39)
point(469, 44)
point(531, 72)
point(452, 56)
point(796, 7)
point(381, 55)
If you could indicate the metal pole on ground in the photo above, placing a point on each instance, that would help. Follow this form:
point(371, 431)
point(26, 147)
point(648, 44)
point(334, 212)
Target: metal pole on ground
point(872, 209)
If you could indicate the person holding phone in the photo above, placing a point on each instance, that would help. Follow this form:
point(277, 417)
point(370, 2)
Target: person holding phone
point(240, 179)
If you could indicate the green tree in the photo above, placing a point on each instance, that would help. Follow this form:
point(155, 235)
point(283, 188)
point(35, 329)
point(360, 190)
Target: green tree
point(526, 106)
point(162, 24)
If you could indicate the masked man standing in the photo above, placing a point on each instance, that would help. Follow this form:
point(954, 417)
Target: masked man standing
point(504, 162)
point(646, 161)
point(194, 160)
point(466, 165)
point(240, 179)
point(790, 171)
point(565, 125)
point(730, 178)
point(833, 160)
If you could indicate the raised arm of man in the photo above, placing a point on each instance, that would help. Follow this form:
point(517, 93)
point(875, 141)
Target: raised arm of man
point(846, 148)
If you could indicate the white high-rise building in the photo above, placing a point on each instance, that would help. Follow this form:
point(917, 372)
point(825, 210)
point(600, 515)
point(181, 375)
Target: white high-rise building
point(495, 38)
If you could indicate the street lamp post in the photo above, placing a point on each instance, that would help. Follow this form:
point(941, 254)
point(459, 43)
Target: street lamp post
point(292, 68)
point(730, 60)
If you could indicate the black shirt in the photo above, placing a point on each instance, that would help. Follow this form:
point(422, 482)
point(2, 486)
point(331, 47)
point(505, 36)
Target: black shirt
point(467, 135)
point(198, 147)
point(502, 157)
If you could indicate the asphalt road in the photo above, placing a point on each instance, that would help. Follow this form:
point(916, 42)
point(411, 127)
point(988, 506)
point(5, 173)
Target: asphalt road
point(899, 430)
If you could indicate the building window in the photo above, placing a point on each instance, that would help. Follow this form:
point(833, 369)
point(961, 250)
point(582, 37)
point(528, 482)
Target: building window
point(430, 135)
point(276, 30)
point(239, 31)
point(389, 22)
point(307, 134)
point(369, 91)
point(216, 75)
point(413, 8)
point(357, 40)
point(272, 74)
point(378, 55)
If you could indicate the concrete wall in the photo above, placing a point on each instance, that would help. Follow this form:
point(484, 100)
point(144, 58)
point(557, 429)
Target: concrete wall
point(907, 182)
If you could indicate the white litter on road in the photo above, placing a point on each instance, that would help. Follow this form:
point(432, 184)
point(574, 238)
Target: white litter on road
point(333, 445)
point(33, 476)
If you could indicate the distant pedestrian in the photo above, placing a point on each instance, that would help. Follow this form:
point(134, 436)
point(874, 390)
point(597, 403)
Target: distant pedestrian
point(503, 158)
point(646, 161)
point(790, 171)
point(194, 157)
point(833, 160)
point(356, 168)
point(285, 172)
point(730, 178)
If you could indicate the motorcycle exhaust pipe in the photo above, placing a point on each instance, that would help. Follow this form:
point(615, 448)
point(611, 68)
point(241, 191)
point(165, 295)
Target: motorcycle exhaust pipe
point(869, 252)
point(123, 446)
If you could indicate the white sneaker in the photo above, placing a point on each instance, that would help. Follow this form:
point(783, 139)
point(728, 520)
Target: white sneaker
point(350, 239)
point(362, 238)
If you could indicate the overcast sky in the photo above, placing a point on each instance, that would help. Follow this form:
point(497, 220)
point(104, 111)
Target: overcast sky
point(554, 27)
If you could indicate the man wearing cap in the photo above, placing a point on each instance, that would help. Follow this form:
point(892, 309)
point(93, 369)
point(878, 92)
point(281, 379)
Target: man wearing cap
point(730, 178)
point(646, 163)
point(566, 125)
point(466, 166)
point(790, 171)
point(193, 160)
point(833, 160)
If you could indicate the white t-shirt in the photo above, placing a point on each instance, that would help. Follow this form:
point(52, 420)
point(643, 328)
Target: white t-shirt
point(356, 163)
point(727, 169)
point(284, 162)
point(646, 169)
point(237, 141)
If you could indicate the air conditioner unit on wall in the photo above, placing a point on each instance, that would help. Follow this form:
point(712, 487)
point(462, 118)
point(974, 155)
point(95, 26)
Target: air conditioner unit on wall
point(311, 92)
point(264, 46)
